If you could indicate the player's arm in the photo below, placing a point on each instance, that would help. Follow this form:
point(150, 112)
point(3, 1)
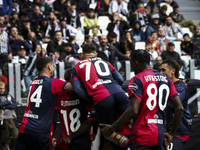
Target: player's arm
point(134, 105)
point(83, 129)
point(178, 112)
point(80, 92)
point(117, 77)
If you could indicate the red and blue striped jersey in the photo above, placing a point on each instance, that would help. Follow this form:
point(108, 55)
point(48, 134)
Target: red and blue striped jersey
point(73, 112)
point(153, 89)
point(96, 76)
point(41, 102)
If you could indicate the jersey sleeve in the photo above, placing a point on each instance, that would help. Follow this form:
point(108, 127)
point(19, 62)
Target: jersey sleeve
point(74, 75)
point(57, 86)
point(173, 92)
point(111, 67)
point(135, 87)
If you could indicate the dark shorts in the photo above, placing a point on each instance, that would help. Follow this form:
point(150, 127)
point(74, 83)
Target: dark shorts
point(107, 108)
point(88, 148)
point(30, 142)
point(135, 146)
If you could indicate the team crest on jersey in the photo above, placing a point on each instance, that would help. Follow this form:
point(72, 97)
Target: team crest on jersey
point(93, 111)
point(133, 86)
point(155, 116)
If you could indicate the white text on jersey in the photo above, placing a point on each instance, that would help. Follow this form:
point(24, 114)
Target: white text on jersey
point(37, 81)
point(155, 78)
point(70, 103)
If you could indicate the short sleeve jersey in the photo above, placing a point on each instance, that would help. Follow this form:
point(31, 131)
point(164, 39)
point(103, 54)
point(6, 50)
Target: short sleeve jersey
point(41, 102)
point(153, 89)
point(186, 122)
point(95, 75)
point(73, 112)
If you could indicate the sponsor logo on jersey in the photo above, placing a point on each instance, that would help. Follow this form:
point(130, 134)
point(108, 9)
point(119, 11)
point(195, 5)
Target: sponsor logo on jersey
point(133, 86)
point(39, 81)
point(155, 78)
point(100, 81)
point(70, 103)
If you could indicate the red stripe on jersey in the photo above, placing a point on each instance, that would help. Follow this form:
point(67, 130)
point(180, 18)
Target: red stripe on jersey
point(91, 118)
point(74, 79)
point(111, 67)
point(25, 119)
point(183, 137)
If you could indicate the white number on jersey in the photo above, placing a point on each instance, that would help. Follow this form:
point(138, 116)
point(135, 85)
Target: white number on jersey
point(152, 96)
point(36, 96)
point(98, 68)
point(74, 116)
point(170, 146)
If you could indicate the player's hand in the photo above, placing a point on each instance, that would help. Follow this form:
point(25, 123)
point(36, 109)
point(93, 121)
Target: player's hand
point(65, 140)
point(92, 136)
point(167, 139)
point(54, 142)
point(107, 130)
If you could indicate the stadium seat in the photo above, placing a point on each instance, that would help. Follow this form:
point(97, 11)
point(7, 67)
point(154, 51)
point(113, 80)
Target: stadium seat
point(103, 22)
point(44, 45)
point(169, 8)
point(93, 5)
point(104, 32)
point(177, 47)
point(140, 45)
point(187, 30)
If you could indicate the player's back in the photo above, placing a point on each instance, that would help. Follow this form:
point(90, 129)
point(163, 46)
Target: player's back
point(40, 106)
point(73, 112)
point(153, 90)
point(95, 75)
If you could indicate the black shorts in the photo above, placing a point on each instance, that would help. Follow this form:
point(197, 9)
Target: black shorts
point(31, 142)
point(107, 108)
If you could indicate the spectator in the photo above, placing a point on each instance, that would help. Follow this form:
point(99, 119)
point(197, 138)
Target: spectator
point(50, 3)
point(153, 7)
point(35, 16)
point(31, 43)
point(44, 7)
point(195, 39)
point(171, 54)
point(90, 21)
point(162, 14)
point(53, 21)
point(14, 21)
point(172, 30)
point(73, 17)
point(128, 42)
point(150, 50)
point(3, 24)
point(26, 7)
point(81, 7)
point(118, 6)
point(5, 52)
point(26, 27)
point(60, 7)
point(21, 58)
point(8, 104)
point(67, 47)
point(133, 5)
point(158, 63)
point(178, 18)
point(75, 46)
point(15, 6)
point(154, 41)
point(138, 34)
point(186, 45)
point(31, 72)
point(109, 52)
point(171, 2)
point(95, 34)
point(88, 39)
point(44, 53)
point(44, 30)
point(15, 40)
point(118, 26)
point(65, 28)
point(112, 40)
point(6, 8)
point(55, 43)
point(56, 59)
point(153, 26)
point(102, 8)
point(140, 14)
point(163, 42)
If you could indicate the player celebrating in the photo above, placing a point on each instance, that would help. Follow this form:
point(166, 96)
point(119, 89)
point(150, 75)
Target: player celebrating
point(35, 129)
point(101, 81)
point(171, 68)
point(148, 92)
point(72, 112)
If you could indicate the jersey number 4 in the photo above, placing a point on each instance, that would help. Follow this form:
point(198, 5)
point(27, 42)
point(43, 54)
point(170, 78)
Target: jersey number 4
point(36, 96)
point(98, 69)
point(152, 100)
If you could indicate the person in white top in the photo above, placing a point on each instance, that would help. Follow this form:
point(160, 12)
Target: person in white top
point(118, 6)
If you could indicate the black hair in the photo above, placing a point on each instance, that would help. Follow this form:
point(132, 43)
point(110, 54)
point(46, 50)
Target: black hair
point(90, 10)
point(68, 73)
point(42, 62)
point(112, 35)
point(67, 44)
point(89, 48)
point(186, 34)
point(87, 37)
point(147, 43)
point(141, 56)
point(73, 3)
point(57, 32)
point(153, 32)
point(173, 64)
